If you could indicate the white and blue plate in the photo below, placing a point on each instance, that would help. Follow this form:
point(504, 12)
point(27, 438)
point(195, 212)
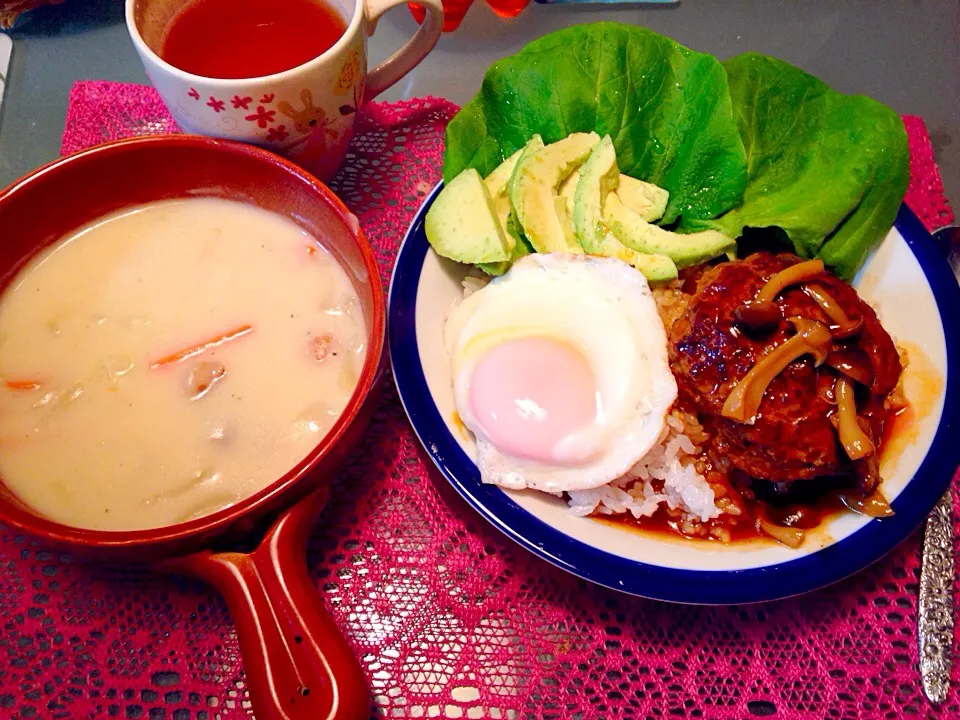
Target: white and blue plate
point(915, 293)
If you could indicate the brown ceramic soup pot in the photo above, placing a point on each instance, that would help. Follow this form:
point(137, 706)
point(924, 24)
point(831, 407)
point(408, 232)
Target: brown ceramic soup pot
point(298, 664)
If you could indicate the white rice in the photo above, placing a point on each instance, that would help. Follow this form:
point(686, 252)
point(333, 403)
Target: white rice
point(475, 280)
point(665, 476)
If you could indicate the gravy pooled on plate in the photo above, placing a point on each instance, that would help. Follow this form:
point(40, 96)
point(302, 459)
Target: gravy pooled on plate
point(169, 360)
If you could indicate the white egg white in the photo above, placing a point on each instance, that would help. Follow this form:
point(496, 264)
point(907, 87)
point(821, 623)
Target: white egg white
point(605, 309)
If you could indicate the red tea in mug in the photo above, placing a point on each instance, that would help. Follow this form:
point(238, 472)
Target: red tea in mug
point(249, 38)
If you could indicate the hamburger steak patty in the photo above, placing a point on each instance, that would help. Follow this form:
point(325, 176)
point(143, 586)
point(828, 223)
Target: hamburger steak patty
point(793, 437)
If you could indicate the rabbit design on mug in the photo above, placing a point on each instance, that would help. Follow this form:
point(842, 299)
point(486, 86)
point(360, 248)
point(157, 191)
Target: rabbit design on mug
point(311, 122)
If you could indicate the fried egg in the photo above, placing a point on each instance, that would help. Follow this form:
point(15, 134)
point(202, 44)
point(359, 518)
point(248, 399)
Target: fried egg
point(560, 372)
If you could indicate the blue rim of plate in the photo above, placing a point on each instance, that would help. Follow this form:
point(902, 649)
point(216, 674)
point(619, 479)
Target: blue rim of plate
point(714, 587)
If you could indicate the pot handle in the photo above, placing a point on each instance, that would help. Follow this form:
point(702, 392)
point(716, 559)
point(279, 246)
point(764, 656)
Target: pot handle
point(297, 662)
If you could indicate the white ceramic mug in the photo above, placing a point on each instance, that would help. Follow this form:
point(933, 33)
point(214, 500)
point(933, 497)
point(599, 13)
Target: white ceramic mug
point(306, 113)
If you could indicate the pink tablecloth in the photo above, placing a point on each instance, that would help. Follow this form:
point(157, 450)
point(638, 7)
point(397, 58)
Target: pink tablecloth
point(449, 618)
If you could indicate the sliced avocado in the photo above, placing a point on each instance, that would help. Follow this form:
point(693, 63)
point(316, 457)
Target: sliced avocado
point(637, 234)
point(505, 209)
point(496, 269)
point(496, 181)
point(645, 199)
point(566, 221)
point(521, 247)
point(533, 190)
point(514, 229)
point(511, 226)
point(655, 268)
point(599, 178)
point(462, 223)
point(567, 190)
point(533, 145)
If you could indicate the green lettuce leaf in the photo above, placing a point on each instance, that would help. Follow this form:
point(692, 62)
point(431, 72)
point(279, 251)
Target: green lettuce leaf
point(667, 109)
point(829, 169)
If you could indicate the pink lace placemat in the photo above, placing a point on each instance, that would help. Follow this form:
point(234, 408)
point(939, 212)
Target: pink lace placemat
point(449, 618)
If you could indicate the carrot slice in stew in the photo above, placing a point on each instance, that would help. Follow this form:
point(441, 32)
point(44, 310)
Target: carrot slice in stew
point(320, 347)
point(202, 347)
point(22, 384)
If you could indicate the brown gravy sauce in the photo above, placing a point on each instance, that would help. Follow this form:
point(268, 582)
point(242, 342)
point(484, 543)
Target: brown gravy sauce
point(923, 386)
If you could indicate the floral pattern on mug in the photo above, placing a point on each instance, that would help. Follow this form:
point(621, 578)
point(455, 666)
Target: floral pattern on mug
point(277, 134)
point(351, 78)
point(261, 117)
point(346, 79)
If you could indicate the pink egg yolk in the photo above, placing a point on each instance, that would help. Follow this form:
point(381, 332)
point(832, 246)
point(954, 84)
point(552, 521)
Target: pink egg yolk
point(531, 396)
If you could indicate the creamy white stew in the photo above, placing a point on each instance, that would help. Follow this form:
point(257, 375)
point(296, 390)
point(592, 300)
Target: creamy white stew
point(170, 360)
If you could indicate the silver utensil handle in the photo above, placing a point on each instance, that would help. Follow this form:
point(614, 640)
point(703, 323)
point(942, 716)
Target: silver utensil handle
point(935, 609)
